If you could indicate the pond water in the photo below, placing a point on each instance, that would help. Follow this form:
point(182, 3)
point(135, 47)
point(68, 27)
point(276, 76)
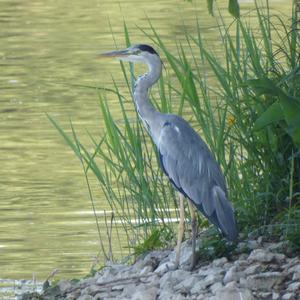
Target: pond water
point(46, 49)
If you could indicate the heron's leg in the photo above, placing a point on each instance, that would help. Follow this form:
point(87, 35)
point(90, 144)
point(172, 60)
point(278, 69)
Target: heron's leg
point(181, 229)
point(194, 233)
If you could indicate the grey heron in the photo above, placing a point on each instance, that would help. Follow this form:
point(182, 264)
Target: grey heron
point(184, 156)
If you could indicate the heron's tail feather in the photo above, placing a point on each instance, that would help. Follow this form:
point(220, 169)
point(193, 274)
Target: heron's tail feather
point(224, 213)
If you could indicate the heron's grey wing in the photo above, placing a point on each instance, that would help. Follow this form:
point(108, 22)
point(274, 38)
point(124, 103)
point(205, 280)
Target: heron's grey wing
point(191, 167)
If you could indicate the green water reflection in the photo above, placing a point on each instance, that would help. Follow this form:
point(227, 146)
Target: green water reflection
point(46, 220)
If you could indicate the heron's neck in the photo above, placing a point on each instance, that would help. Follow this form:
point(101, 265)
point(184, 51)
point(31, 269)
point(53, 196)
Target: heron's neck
point(145, 109)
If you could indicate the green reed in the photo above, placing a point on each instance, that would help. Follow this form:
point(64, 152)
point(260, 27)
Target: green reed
point(250, 113)
point(246, 110)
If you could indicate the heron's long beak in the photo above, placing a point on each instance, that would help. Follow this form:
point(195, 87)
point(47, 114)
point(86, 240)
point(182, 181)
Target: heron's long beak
point(119, 53)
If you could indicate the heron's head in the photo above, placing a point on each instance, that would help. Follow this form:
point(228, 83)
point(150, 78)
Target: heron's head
point(135, 53)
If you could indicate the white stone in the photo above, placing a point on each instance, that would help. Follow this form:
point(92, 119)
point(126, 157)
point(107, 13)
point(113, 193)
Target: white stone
point(234, 294)
point(294, 287)
point(171, 279)
point(146, 270)
point(275, 296)
point(166, 267)
point(253, 269)
point(128, 290)
point(85, 297)
point(252, 244)
point(64, 285)
point(261, 255)
point(232, 275)
point(231, 285)
point(264, 295)
point(288, 296)
point(187, 284)
point(219, 262)
point(294, 269)
point(296, 276)
point(279, 257)
point(145, 293)
point(206, 282)
point(264, 281)
point(185, 253)
point(241, 263)
point(211, 271)
point(215, 287)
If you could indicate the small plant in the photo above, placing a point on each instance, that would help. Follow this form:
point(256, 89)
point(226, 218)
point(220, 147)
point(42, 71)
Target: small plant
point(213, 246)
point(159, 238)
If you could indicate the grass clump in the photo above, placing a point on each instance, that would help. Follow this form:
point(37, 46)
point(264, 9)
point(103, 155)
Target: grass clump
point(247, 110)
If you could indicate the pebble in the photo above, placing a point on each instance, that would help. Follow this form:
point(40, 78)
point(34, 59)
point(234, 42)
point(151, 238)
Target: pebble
point(261, 255)
point(262, 274)
point(264, 281)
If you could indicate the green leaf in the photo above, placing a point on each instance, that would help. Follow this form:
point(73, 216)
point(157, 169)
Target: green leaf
point(210, 7)
point(67, 139)
point(290, 106)
point(273, 114)
point(262, 86)
point(291, 111)
point(234, 8)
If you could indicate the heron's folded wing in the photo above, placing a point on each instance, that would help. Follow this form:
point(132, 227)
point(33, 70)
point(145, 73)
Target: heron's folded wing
point(191, 167)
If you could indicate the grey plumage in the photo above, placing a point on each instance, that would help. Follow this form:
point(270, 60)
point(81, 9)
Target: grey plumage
point(193, 170)
point(184, 156)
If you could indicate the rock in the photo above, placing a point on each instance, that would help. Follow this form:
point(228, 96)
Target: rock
point(264, 295)
point(146, 270)
point(64, 286)
point(260, 240)
point(170, 279)
point(211, 271)
point(261, 255)
point(231, 285)
point(101, 296)
point(275, 296)
point(153, 259)
point(280, 247)
point(91, 290)
point(232, 275)
point(241, 262)
point(291, 262)
point(279, 257)
point(152, 279)
point(128, 291)
point(206, 282)
point(241, 247)
point(215, 287)
point(252, 244)
point(185, 253)
point(243, 282)
point(85, 297)
point(253, 269)
point(294, 269)
point(228, 293)
point(288, 296)
point(165, 267)
point(219, 262)
point(187, 284)
point(296, 276)
point(109, 273)
point(264, 281)
point(145, 293)
point(294, 287)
